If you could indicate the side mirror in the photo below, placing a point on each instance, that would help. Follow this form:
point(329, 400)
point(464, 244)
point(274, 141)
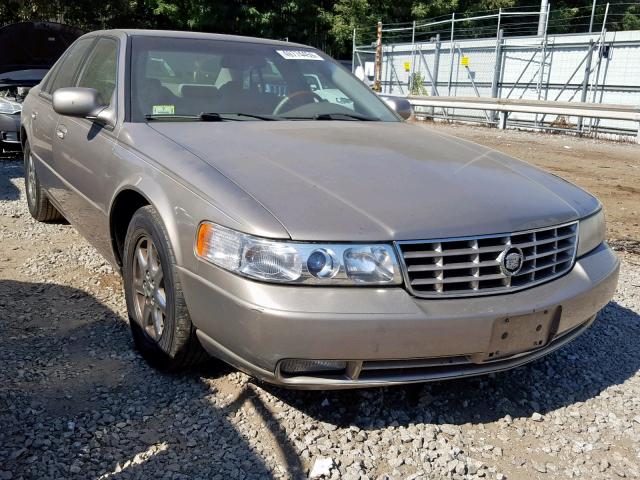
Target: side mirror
point(78, 102)
point(400, 105)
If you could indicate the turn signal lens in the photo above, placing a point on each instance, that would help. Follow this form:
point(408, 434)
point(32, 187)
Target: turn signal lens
point(219, 245)
point(205, 232)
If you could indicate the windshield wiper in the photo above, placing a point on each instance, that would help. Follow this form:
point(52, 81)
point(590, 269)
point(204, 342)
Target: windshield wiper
point(336, 116)
point(209, 116)
point(205, 117)
point(252, 115)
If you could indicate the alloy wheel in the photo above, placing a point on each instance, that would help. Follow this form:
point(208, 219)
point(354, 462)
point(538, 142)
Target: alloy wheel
point(148, 288)
point(31, 182)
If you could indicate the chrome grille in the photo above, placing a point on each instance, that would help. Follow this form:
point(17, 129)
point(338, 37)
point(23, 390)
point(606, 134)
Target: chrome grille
point(472, 265)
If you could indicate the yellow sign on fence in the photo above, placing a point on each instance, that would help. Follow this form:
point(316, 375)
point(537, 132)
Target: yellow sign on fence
point(464, 61)
point(407, 66)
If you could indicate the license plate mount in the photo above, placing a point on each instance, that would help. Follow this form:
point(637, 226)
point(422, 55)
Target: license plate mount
point(521, 333)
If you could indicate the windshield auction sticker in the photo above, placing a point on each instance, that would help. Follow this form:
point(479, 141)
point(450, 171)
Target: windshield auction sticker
point(299, 55)
point(164, 109)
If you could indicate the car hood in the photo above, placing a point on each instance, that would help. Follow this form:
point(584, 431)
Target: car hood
point(33, 45)
point(22, 78)
point(352, 181)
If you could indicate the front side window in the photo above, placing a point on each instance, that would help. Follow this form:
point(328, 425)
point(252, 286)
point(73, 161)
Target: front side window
point(100, 69)
point(65, 70)
point(180, 77)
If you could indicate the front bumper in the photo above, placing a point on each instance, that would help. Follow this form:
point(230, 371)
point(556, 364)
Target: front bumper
point(9, 132)
point(386, 335)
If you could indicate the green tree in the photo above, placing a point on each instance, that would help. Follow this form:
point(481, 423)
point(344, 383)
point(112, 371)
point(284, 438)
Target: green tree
point(327, 24)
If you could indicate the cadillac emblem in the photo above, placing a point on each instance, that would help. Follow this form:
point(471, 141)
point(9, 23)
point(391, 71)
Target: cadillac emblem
point(511, 261)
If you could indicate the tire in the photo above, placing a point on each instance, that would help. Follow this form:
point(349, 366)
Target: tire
point(165, 337)
point(39, 205)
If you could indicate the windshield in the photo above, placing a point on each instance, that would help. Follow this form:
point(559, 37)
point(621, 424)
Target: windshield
point(182, 78)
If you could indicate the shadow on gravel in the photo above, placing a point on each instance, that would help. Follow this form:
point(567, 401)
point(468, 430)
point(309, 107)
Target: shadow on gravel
point(10, 168)
point(76, 401)
point(605, 355)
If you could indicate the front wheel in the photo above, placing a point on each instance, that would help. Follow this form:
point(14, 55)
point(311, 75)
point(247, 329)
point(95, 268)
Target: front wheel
point(160, 323)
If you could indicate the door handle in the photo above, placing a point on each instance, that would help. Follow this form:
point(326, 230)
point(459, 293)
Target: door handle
point(34, 115)
point(61, 131)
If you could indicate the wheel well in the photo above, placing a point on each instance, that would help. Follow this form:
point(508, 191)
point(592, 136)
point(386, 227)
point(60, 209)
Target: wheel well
point(124, 206)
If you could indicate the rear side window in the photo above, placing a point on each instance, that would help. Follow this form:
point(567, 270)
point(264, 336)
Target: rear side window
point(99, 70)
point(65, 70)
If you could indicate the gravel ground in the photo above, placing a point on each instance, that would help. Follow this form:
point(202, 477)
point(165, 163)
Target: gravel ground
point(77, 401)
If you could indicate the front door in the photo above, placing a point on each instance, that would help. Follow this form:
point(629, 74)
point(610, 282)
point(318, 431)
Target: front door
point(83, 150)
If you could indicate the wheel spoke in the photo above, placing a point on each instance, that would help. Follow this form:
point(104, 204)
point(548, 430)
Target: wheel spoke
point(137, 286)
point(153, 259)
point(158, 322)
point(161, 299)
point(146, 315)
point(142, 258)
point(158, 275)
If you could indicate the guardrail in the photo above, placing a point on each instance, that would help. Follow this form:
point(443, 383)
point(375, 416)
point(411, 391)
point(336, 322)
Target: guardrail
point(544, 107)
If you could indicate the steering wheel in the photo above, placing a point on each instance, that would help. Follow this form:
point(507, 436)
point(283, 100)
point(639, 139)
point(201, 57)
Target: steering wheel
point(299, 97)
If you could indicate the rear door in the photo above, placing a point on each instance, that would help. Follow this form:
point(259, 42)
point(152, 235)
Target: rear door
point(83, 149)
point(44, 119)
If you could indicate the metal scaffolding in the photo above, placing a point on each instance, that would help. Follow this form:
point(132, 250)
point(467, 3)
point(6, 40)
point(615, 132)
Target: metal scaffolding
point(509, 54)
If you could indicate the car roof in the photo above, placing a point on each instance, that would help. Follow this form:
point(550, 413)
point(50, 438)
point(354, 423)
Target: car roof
point(132, 32)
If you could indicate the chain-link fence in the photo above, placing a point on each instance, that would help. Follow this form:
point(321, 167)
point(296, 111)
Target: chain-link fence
point(515, 54)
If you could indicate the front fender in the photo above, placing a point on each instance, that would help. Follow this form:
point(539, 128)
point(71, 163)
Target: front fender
point(184, 190)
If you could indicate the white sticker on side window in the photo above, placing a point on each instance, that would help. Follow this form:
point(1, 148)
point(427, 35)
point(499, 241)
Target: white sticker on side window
point(299, 55)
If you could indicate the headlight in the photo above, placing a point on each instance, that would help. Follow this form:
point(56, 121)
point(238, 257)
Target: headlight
point(9, 106)
point(591, 233)
point(297, 262)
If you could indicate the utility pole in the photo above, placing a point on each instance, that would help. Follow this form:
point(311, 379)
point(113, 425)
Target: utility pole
point(593, 13)
point(542, 20)
point(353, 52)
point(377, 84)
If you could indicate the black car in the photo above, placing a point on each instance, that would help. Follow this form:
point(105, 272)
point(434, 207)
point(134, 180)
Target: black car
point(29, 49)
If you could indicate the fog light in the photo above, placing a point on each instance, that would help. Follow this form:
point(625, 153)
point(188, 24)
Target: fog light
point(9, 136)
point(312, 366)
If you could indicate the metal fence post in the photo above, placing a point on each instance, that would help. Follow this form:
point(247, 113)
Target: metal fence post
point(498, 58)
point(585, 81)
point(603, 34)
point(543, 60)
point(436, 66)
point(594, 85)
point(453, 19)
point(502, 120)
point(413, 56)
point(495, 84)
